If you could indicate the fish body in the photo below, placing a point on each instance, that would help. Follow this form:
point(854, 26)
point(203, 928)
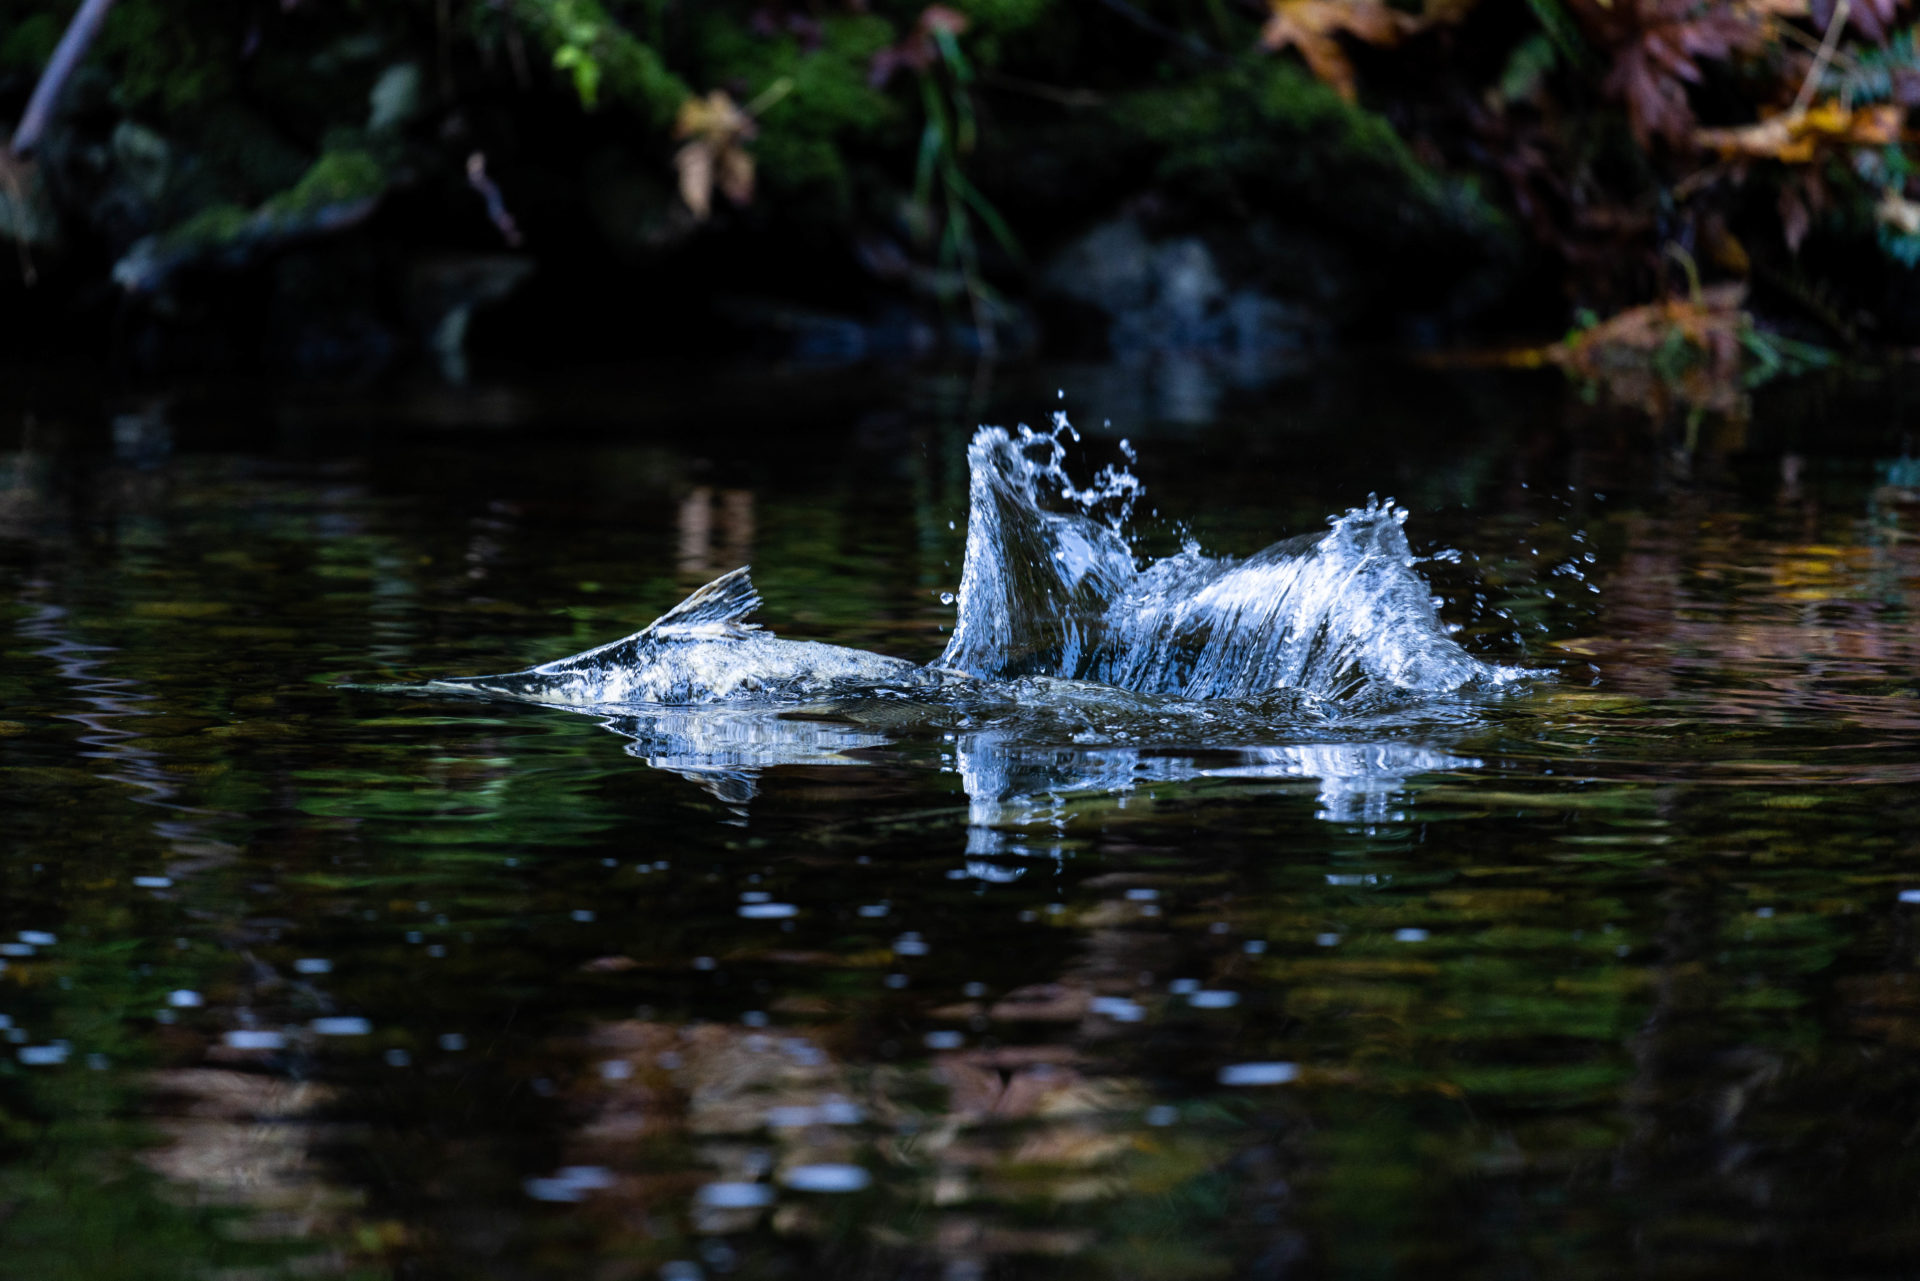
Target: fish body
point(702, 651)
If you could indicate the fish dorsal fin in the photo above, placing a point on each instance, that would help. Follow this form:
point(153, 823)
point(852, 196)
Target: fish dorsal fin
point(711, 613)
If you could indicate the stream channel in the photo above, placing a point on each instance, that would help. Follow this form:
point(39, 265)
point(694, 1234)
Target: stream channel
point(1610, 969)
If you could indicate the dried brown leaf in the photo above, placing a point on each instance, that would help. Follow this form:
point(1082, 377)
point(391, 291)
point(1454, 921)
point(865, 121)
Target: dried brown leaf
point(715, 153)
point(1309, 26)
point(1798, 138)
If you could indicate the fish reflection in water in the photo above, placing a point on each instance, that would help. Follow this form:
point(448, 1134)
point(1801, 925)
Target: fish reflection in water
point(1013, 777)
point(724, 749)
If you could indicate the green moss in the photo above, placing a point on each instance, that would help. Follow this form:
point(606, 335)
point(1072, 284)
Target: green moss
point(164, 56)
point(829, 106)
point(212, 227)
point(1273, 136)
point(335, 178)
point(1001, 16)
point(603, 58)
point(29, 40)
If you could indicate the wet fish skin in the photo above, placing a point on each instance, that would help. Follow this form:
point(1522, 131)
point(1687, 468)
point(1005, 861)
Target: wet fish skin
point(701, 651)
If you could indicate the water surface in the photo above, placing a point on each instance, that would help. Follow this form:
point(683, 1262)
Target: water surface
point(1606, 974)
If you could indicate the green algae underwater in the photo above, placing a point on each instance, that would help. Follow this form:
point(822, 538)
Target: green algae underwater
point(1610, 975)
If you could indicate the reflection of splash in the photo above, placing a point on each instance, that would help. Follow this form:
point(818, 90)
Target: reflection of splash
point(1013, 781)
point(1013, 784)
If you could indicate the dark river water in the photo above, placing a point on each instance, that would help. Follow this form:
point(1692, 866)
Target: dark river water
point(1617, 973)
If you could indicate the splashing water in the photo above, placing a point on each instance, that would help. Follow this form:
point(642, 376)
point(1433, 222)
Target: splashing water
point(1340, 616)
point(1056, 619)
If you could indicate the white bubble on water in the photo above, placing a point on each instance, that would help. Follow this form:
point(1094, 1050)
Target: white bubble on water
point(826, 1178)
point(341, 1025)
point(1117, 1008)
point(734, 1196)
point(1259, 1073)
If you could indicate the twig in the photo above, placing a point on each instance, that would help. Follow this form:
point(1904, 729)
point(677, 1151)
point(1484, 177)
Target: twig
point(1146, 22)
point(1794, 34)
point(16, 192)
point(1822, 58)
point(66, 56)
point(1045, 92)
point(489, 191)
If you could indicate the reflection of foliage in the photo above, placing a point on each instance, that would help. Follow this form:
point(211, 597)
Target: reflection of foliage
point(1702, 352)
point(81, 1205)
